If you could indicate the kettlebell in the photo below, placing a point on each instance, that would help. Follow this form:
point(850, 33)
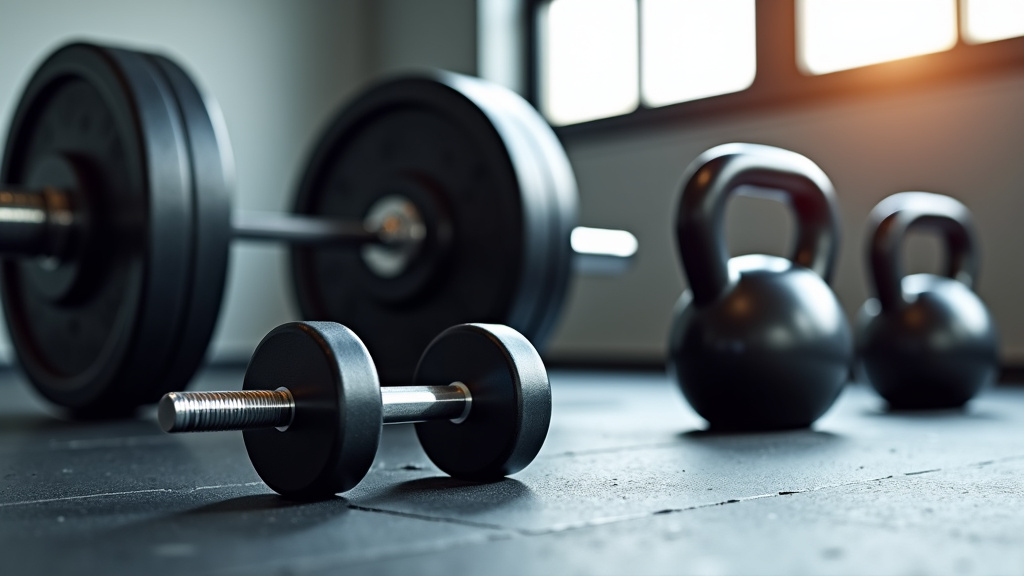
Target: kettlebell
point(925, 341)
point(758, 342)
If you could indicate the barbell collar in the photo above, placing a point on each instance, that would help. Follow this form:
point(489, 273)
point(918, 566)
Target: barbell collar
point(35, 222)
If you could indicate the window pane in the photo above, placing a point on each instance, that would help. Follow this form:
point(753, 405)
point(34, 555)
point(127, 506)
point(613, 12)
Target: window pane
point(989, 20)
point(696, 48)
point(589, 61)
point(840, 34)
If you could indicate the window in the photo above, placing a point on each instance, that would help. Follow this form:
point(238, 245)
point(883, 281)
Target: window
point(842, 34)
point(991, 20)
point(590, 66)
point(603, 58)
point(602, 63)
point(695, 49)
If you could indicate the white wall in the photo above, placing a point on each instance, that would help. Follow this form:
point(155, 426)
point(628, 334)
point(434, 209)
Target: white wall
point(279, 68)
point(411, 34)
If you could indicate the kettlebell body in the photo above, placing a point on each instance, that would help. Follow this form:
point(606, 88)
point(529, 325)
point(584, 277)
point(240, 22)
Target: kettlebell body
point(758, 342)
point(926, 341)
point(772, 352)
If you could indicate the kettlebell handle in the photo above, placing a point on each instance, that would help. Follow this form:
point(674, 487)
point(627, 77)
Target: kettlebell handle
point(893, 217)
point(712, 179)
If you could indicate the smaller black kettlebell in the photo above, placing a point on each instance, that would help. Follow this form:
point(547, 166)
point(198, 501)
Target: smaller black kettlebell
point(758, 342)
point(926, 341)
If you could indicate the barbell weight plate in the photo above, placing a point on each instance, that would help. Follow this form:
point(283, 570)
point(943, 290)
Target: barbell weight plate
point(510, 412)
point(101, 346)
point(527, 134)
point(560, 190)
point(333, 437)
point(484, 191)
point(209, 154)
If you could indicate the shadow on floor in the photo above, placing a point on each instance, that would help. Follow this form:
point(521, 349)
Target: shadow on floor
point(931, 414)
point(800, 440)
point(265, 502)
point(253, 515)
point(457, 497)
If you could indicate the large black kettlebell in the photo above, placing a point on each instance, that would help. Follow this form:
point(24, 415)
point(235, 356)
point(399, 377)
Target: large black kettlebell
point(758, 342)
point(926, 341)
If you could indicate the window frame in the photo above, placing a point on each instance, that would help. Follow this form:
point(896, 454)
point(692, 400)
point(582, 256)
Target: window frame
point(779, 82)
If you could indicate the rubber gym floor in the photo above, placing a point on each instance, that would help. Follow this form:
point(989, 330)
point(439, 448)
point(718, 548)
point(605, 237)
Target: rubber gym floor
point(627, 483)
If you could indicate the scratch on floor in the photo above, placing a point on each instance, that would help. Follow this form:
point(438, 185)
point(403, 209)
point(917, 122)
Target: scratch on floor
point(83, 497)
point(127, 493)
point(218, 486)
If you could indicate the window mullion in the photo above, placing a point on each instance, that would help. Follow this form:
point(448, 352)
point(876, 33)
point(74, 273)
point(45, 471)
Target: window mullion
point(640, 55)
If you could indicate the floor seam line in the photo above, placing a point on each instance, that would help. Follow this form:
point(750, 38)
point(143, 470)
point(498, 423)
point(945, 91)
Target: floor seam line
point(429, 518)
point(528, 532)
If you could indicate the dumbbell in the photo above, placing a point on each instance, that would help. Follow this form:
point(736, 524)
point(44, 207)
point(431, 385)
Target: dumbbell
point(758, 341)
point(429, 201)
point(925, 341)
point(312, 407)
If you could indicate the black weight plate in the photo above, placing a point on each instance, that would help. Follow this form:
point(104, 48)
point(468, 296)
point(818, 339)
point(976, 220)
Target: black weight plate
point(446, 142)
point(511, 401)
point(333, 437)
point(212, 180)
point(557, 185)
point(101, 111)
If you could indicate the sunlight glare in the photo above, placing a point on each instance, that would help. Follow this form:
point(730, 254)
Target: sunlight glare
point(589, 60)
point(838, 35)
point(991, 20)
point(695, 49)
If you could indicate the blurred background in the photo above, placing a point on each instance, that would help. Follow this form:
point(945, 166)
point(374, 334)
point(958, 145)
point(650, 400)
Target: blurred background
point(885, 95)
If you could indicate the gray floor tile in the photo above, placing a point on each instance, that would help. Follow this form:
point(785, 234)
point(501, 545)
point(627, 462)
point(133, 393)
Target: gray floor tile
point(628, 482)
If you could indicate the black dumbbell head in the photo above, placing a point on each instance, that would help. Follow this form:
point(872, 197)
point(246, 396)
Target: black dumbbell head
point(511, 401)
point(334, 435)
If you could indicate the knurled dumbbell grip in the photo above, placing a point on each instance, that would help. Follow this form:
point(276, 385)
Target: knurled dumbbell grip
point(250, 409)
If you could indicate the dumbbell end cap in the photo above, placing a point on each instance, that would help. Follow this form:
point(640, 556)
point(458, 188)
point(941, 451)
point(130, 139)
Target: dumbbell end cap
point(166, 415)
point(335, 430)
point(511, 410)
